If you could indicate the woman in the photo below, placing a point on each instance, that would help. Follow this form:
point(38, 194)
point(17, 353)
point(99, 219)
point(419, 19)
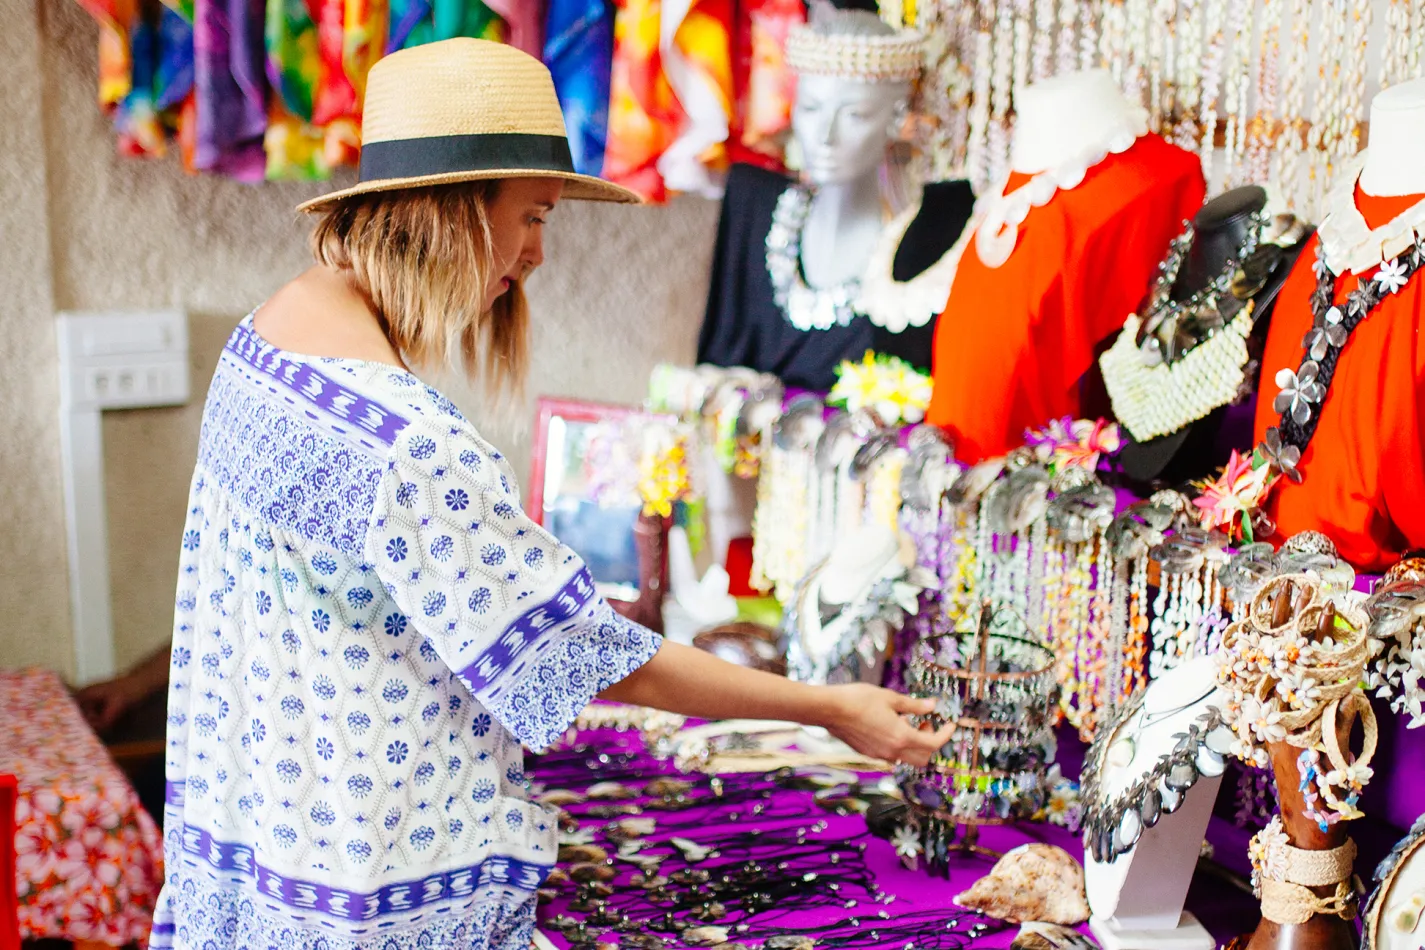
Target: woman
point(368, 627)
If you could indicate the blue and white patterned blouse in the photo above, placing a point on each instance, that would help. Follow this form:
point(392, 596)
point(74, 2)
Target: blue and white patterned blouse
point(367, 628)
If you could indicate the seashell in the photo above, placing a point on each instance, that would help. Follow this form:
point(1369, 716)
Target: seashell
point(546, 894)
point(691, 850)
point(636, 827)
point(647, 863)
point(557, 875)
point(559, 798)
point(611, 791)
point(789, 942)
point(582, 854)
point(667, 787)
point(1032, 882)
point(585, 872)
point(612, 810)
point(705, 936)
point(975, 481)
point(650, 882)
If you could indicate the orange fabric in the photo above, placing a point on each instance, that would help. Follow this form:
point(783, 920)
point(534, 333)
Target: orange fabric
point(1014, 341)
point(1364, 484)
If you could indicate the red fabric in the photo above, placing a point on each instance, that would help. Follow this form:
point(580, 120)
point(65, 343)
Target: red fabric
point(1015, 341)
point(1364, 484)
point(9, 910)
point(739, 568)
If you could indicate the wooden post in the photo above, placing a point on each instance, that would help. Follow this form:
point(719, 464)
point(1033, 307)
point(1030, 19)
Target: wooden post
point(1327, 932)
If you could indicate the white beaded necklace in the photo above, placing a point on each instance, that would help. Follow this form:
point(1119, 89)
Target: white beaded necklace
point(1001, 215)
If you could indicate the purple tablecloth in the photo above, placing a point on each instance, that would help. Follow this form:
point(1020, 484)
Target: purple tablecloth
point(1225, 909)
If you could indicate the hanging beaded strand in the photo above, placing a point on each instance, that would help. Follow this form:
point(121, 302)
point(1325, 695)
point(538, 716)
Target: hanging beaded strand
point(1136, 654)
point(1290, 171)
point(1214, 12)
point(1264, 131)
point(1043, 57)
point(1355, 104)
point(1326, 117)
point(1113, 38)
point(1189, 74)
point(1236, 87)
point(977, 149)
point(1067, 55)
point(1039, 543)
point(1001, 85)
point(1088, 36)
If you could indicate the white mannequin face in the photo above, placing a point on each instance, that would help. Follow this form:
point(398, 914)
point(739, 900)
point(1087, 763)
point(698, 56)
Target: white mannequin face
point(844, 126)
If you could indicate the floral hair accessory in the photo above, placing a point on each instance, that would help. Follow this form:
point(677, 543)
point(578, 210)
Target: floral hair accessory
point(888, 386)
point(1073, 443)
point(1232, 501)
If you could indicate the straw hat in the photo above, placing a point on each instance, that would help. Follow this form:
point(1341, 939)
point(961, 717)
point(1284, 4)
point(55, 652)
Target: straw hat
point(464, 110)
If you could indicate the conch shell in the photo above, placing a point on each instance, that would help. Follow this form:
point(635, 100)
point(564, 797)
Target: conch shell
point(1032, 882)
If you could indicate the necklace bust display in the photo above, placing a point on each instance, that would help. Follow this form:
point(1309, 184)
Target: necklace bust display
point(1342, 404)
point(1062, 249)
point(1191, 351)
point(787, 285)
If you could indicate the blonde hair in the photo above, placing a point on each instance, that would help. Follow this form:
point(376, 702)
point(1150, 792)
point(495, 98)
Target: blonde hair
point(422, 258)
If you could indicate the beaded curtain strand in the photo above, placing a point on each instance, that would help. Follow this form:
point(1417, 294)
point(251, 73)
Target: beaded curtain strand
point(1235, 81)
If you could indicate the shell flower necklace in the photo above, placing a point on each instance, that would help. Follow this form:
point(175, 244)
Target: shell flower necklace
point(1241, 491)
point(806, 307)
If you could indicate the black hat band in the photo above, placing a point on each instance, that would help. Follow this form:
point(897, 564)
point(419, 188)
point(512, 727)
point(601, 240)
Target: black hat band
point(451, 154)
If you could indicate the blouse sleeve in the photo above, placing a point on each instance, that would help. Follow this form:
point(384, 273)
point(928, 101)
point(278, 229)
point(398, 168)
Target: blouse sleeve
point(507, 607)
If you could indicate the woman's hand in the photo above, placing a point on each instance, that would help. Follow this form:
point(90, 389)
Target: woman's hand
point(872, 721)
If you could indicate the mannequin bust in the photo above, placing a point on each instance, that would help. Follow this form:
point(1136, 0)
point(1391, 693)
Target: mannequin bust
point(843, 128)
point(1062, 118)
point(791, 255)
point(1064, 248)
point(1236, 257)
point(1397, 142)
point(1361, 452)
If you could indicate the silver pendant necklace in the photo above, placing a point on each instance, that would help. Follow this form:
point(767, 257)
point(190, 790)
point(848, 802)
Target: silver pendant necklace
point(805, 307)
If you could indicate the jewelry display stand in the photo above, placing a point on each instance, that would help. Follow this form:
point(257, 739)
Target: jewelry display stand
point(997, 687)
point(1137, 899)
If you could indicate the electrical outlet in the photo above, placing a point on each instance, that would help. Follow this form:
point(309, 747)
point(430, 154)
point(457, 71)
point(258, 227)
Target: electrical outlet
point(123, 360)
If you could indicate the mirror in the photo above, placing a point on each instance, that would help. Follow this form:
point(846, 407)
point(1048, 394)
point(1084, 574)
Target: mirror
point(584, 486)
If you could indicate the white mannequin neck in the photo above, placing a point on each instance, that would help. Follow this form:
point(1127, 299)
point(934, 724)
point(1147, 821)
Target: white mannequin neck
point(842, 227)
point(1061, 119)
point(1395, 160)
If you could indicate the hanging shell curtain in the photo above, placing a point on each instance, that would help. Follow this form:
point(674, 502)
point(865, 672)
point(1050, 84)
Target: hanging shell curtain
point(1273, 91)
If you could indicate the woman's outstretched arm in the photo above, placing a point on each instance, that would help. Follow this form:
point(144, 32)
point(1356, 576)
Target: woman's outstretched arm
point(691, 682)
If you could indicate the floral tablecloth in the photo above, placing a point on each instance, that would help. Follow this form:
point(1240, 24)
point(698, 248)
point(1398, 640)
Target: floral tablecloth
point(89, 859)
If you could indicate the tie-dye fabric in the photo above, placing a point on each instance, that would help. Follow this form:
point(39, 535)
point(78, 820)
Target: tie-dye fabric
point(578, 49)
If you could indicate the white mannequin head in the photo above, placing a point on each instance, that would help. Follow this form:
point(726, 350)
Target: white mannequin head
point(844, 125)
point(1060, 118)
point(1395, 157)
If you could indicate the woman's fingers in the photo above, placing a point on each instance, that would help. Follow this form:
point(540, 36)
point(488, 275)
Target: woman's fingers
point(910, 706)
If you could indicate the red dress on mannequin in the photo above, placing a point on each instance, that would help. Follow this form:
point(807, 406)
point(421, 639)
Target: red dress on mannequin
point(1015, 340)
point(1364, 469)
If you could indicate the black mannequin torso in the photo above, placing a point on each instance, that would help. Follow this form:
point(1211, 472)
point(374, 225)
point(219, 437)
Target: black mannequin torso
point(743, 326)
point(1221, 229)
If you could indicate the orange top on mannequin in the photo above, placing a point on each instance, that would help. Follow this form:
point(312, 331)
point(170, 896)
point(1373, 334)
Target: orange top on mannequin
point(1364, 469)
point(1015, 340)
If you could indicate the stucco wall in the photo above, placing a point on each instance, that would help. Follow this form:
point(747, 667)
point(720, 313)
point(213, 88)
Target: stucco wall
point(622, 289)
